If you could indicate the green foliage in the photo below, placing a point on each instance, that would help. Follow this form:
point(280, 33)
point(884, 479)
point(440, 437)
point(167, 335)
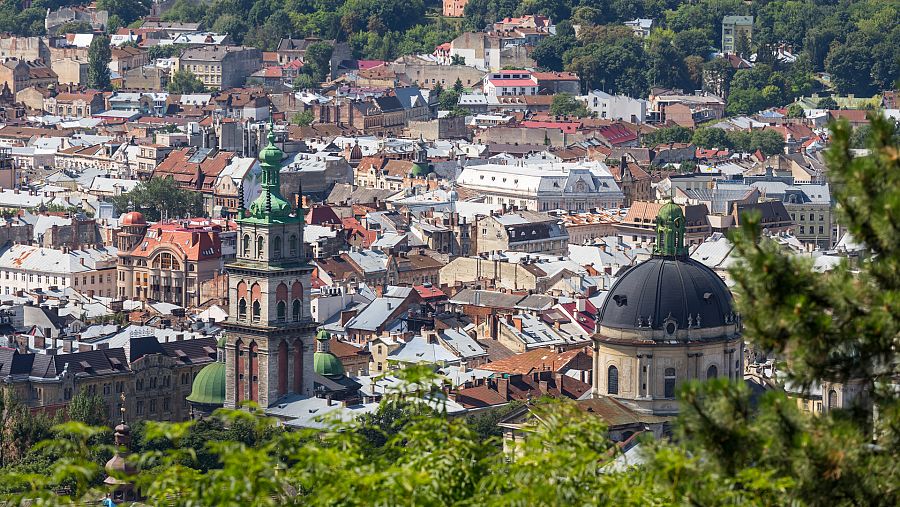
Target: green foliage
point(564, 104)
point(317, 61)
point(157, 194)
point(184, 11)
point(75, 27)
point(761, 87)
point(184, 81)
point(667, 135)
point(795, 111)
point(710, 138)
point(19, 429)
point(827, 103)
point(126, 10)
point(303, 118)
point(99, 56)
point(167, 51)
point(87, 408)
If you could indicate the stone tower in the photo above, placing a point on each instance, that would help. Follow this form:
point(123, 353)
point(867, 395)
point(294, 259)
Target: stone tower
point(269, 332)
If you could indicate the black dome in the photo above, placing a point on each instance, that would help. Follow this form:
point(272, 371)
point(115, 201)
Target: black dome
point(664, 289)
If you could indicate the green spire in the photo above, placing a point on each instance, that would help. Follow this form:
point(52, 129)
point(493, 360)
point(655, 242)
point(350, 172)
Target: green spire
point(270, 206)
point(670, 229)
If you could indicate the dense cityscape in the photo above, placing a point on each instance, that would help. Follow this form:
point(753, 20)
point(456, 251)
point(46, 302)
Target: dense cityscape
point(457, 252)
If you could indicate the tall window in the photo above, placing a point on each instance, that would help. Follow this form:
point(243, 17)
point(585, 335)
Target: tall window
point(246, 245)
point(832, 400)
point(612, 380)
point(282, 311)
point(256, 310)
point(712, 372)
point(276, 247)
point(259, 247)
point(670, 383)
point(295, 311)
point(242, 309)
point(292, 245)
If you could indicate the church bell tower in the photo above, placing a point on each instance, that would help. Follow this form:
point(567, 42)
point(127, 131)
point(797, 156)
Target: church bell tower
point(269, 332)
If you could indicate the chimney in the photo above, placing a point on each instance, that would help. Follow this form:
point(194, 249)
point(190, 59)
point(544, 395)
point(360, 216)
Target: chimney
point(580, 304)
point(517, 321)
point(503, 387)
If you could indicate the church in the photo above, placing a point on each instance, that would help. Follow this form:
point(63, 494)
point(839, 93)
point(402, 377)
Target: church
point(666, 320)
point(270, 349)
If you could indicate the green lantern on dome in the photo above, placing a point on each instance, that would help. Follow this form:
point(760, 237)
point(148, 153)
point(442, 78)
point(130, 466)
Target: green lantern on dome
point(670, 231)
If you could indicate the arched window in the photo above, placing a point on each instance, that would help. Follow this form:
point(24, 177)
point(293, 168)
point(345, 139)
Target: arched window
point(292, 245)
point(259, 247)
point(295, 311)
point(276, 247)
point(670, 383)
point(242, 309)
point(712, 372)
point(246, 245)
point(166, 261)
point(832, 400)
point(256, 310)
point(282, 311)
point(612, 380)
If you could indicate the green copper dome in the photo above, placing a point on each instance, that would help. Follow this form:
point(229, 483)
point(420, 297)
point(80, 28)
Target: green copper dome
point(209, 385)
point(327, 365)
point(324, 362)
point(670, 231)
point(420, 170)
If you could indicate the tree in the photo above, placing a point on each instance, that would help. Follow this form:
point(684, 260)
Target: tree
point(458, 87)
point(184, 81)
point(827, 103)
point(317, 61)
point(303, 82)
point(711, 138)
point(88, 408)
point(548, 53)
point(667, 135)
point(795, 111)
point(303, 118)
point(850, 66)
point(157, 194)
point(126, 10)
point(768, 142)
point(457, 60)
point(184, 11)
point(564, 104)
point(693, 42)
point(75, 27)
point(99, 56)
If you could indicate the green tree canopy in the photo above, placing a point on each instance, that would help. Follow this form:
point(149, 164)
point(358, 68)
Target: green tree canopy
point(564, 104)
point(667, 135)
point(710, 138)
point(153, 196)
point(99, 56)
point(184, 81)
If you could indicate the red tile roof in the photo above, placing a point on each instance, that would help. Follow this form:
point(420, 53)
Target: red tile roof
point(535, 360)
point(192, 243)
